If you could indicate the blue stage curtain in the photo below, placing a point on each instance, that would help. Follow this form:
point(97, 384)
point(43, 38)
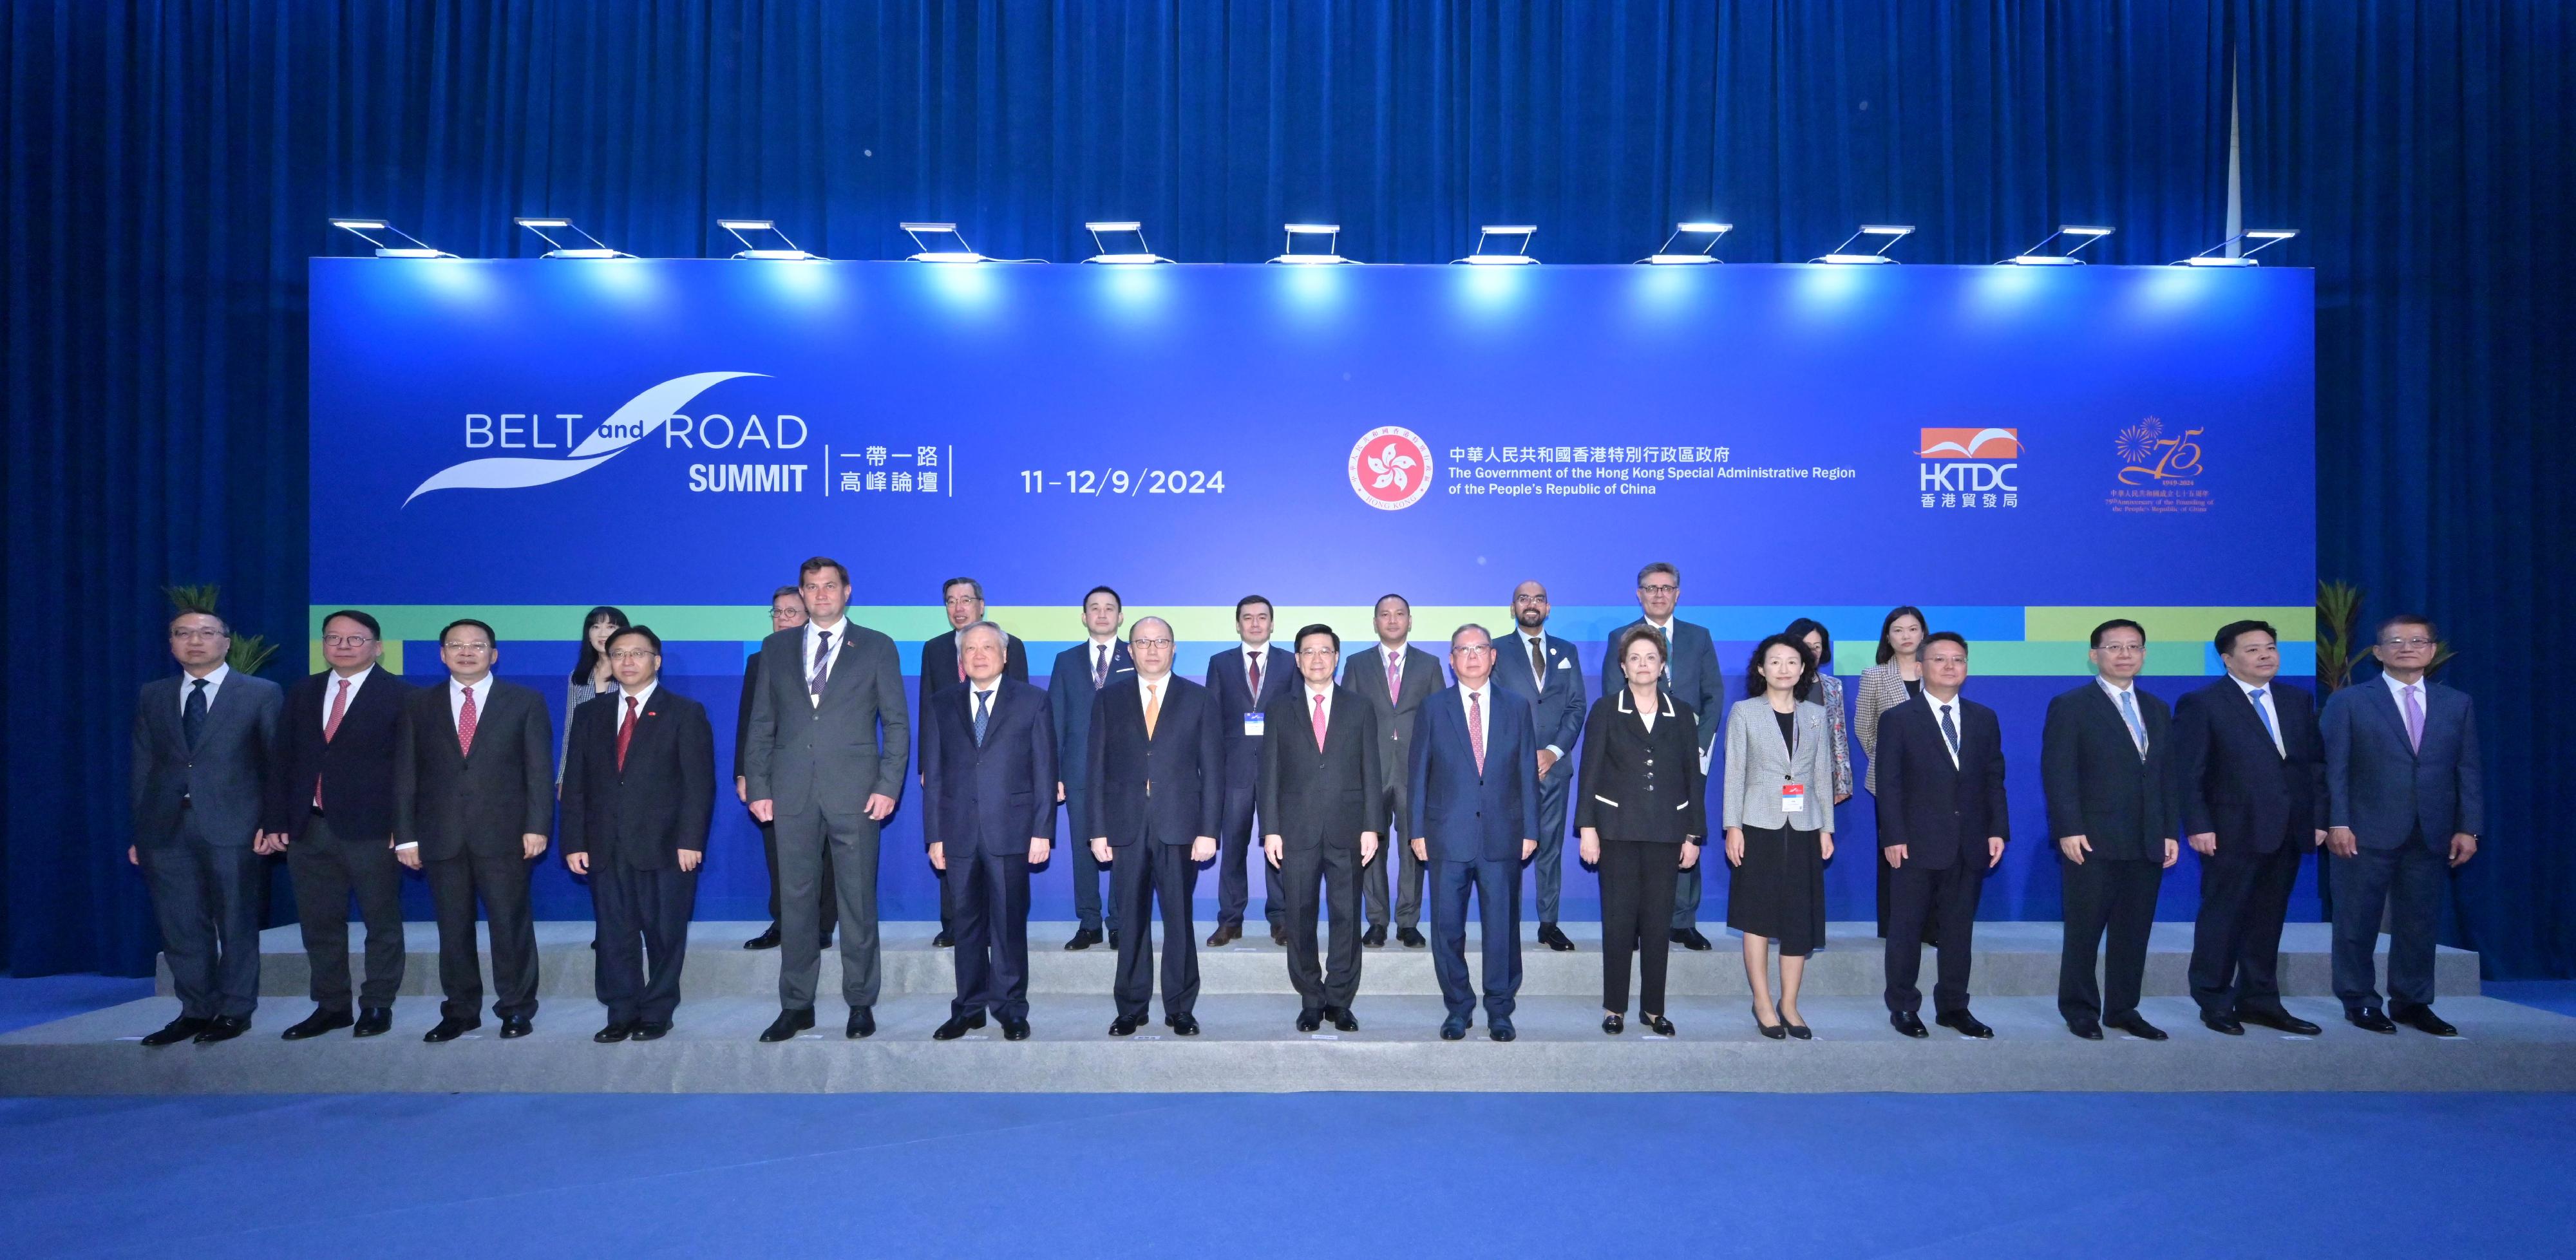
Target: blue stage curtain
point(2422, 148)
point(170, 167)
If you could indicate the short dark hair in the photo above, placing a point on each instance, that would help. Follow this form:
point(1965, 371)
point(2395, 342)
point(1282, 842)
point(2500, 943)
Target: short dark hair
point(2431, 631)
point(1408, 604)
point(1110, 591)
point(1755, 684)
point(967, 582)
point(1805, 626)
point(1628, 638)
point(1659, 567)
point(816, 564)
point(645, 631)
point(1944, 636)
point(483, 626)
point(2116, 623)
point(1249, 600)
point(374, 631)
point(2226, 636)
point(220, 623)
point(797, 591)
point(1318, 628)
point(1886, 650)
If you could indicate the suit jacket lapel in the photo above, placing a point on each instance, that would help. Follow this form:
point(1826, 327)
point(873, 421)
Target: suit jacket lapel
point(2385, 701)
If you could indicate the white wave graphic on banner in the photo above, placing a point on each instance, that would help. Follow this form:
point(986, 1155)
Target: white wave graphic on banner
point(642, 417)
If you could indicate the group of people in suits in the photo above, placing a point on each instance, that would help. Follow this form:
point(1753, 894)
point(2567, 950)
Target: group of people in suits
point(1333, 766)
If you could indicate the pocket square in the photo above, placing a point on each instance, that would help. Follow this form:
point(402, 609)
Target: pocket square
point(1562, 663)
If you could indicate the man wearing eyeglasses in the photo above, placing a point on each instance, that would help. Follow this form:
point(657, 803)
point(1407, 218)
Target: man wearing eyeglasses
point(1154, 786)
point(943, 665)
point(2405, 802)
point(203, 745)
point(1692, 671)
point(331, 808)
point(786, 612)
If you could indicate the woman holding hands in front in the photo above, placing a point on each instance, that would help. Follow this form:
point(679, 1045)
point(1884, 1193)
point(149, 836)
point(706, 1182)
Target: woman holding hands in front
point(1640, 819)
point(1779, 818)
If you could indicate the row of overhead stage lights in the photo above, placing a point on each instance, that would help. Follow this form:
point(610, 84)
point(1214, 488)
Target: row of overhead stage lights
point(1123, 243)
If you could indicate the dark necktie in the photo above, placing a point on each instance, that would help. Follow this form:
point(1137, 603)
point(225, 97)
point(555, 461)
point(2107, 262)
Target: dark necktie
point(1538, 663)
point(1255, 659)
point(983, 714)
point(1100, 668)
point(625, 734)
point(192, 721)
point(1950, 732)
point(822, 663)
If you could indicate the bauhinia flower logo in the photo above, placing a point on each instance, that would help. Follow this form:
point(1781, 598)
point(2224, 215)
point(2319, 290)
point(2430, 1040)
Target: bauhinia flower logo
point(1390, 468)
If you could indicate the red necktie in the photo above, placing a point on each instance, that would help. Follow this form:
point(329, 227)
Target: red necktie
point(1256, 676)
point(465, 726)
point(331, 727)
point(625, 734)
point(1476, 732)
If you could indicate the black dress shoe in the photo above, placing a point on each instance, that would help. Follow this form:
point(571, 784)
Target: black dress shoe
point(1550, 936)
point(1798, 1032)
point(1500, 1029)
point(2370, 1019)
point(943, 940)
point(862, 1023)
point(176, 1031)
point(1278, 935)
point(957, 1026)
point(1014, 1029)
point(1124, 1025)
point(1310, 1021)
point(316, 1024)
point(788, 1024)
point(2136, 1026)
point(2227, 1024)
point(1614, 1024)
point(1655, 1024)
point(1689, 938)
point(1183, 1024)
point(2087, 1029)
point(2420, 1018)
point(222, 1028)
point(1113, 938)
point(651, 1030)
point(451, 1027)
point(516, 1027)
point(766, 940)
point(2279, 1019)
point(1909, 1023)
point(1774, 1031)
point(1453, 1029)
point(1343, 1020)
point(1966, 1025)
point(1412, 937)
point(373, 1021)
point(616, 1031)
point(1083, 938)
point(1375, 937)
point(1224, 933)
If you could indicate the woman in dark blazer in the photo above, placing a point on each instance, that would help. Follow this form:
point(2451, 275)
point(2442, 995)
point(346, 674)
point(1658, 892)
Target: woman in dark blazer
point(1641, 821)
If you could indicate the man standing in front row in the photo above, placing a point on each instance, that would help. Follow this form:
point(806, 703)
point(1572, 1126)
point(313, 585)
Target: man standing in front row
point(203, 743)
point(988, 814)
point(1395, 678)
point(1155, 786)
point(830, 733)
point(1541, 668)
point(1075, 680)
point(639, 790)
point(2110, 807)
point(2250, 769)
point(1692, 671)
point(1319, 786)
point(1942, 824)
point(943, 665)
point(474, 784)
point(1245, 680)
point(2406, 802)
point(1474, 789)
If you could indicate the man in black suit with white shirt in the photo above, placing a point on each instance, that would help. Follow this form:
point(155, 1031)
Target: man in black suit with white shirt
point(1245, 680)
point(1155, 788)
point(1319, 777)
point(1942, 824)
point(2111, 810)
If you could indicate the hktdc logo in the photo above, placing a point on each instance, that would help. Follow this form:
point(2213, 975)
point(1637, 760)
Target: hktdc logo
point(1390, 468)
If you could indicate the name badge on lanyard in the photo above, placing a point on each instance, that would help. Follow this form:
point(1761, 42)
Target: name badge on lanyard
point(1793, 798)
point(1252, 723)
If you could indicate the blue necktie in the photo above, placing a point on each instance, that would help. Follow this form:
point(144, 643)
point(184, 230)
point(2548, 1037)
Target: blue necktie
point(192, 721)
point(2260, 711)
point(1950, 732)
point(982, 715)
point(2129, 712)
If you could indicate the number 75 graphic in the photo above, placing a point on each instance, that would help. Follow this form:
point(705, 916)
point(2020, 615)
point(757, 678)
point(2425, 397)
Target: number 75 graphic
point(2177, 456)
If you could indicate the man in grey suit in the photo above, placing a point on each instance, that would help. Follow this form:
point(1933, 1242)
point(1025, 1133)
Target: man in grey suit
point(830, 733)
point(2404, 794)
point(1692, 670)
point(202, 745)
point(1395, 678)
point(1541, 668)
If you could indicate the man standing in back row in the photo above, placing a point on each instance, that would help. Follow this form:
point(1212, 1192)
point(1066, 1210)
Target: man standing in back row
point(1394, 677)
point(1541, 668)
point(1073, 682)
point(1692, 672)
point(1246, 680)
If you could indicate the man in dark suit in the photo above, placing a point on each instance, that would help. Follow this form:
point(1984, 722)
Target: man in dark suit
point(204, 744)
point(1394, 678)
point(473, 799)
point(1541, 668)
point(1074, 681)
point(1245, 680)
point(331, 807)
point(830, 733)
point(1319, 780)
point(1942, 824)
point(2249, 769)
point(786, 612)
point(988, 815)
point(639, 791)
point(2111, 810)
point(1692, 672)
point(942, 667)
point(2406, 800)
point(1473, 786)
point(1155, 785)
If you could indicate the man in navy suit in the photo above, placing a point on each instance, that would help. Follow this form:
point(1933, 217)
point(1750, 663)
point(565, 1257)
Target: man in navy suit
point(2404, 795)
point(1942, 824)
point(2103, 754)
point(1076, 678)
point(943, 666)
point(1472, 781)
point(1541, 668)
point(988, 782)
point(1692, 671)
point(1155, 788)
point(1245, 680)
point(2249, 771)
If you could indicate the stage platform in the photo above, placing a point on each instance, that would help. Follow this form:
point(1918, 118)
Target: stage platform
point(1250, 1044)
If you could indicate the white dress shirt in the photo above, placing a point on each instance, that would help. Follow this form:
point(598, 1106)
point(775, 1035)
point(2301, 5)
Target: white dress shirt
point(2138, 733)
point(1152, 693)
point(2271, 718)
point(1482, 715)
point(840, 632)
point(2423, 689)
point(330, 693)
point(1250, 655)
point(1958, 721)
point(456, 690)
point(643, 700)
point(214, 682)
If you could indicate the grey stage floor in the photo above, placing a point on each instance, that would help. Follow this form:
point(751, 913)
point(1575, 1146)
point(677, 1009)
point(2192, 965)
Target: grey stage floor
point(1250, 1044)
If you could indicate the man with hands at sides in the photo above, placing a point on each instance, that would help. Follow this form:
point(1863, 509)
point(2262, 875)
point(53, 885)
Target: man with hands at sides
point(988, 780)
point(1941, 809)
point(1155, 789)
point(2111, 808)
point(1473, 793)
point(1319, 782)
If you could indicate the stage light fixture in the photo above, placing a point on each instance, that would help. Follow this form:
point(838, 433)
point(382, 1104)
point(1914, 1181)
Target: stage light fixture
point(1502, 257)
point(2210, 257)
point(1889, 234)
point(744, 229)
point(940, 243)
point(548, 228)
point(363, 228)
point(1706, 233)
point(1121, 230)
point(1332, 234)
point(2031, 257)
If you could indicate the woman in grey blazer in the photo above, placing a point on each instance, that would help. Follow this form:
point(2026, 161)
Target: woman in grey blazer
point(1895, 679)
point(1779, 820)
point(590, 676)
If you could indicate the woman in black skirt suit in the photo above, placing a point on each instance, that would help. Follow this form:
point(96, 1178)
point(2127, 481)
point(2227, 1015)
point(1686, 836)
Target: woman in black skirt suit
point(1640, 818)
point(1779, 820)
